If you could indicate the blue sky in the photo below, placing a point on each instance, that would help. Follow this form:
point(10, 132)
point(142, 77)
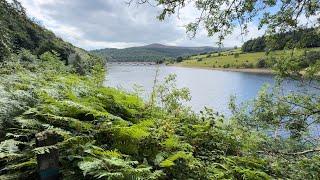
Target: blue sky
point(93, 24)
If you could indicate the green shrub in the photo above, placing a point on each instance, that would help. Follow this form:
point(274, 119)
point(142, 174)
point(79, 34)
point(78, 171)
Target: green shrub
point(179, 59)
point(262, 63)
point(247, 65)
point(310, 58)
point(226, 66)
point(105, 133)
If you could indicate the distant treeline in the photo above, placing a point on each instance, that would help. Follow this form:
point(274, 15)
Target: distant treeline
point(150, 53)
point(303, 38)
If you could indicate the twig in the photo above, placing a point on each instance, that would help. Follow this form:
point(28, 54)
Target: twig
point(293, 153)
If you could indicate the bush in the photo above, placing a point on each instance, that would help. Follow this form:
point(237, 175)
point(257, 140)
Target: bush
point(204, 53)
point(199, 59)
point(247, 65)
point(226, 66)
point(236, 55)
point(179, 59)
point(4, 44)
point(310, 58)
point(261, 63)
point(160, 62)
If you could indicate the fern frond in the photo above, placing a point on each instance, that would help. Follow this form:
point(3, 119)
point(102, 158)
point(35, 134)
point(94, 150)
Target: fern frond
point(44, 149)
point(171, 159)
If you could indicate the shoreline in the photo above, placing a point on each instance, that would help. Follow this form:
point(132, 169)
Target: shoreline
point(245, 70)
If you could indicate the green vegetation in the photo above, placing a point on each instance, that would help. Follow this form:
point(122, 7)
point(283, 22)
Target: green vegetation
point(303, 38)
point(149, 53)
point(105, 133)
point(238, 59)
point(262, 52)
point(109, 134)
point(18, 32)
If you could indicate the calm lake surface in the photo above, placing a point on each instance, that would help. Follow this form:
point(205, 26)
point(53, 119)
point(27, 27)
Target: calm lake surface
point(210, 88)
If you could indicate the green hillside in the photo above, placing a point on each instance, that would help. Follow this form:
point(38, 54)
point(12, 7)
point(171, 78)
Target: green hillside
point(149, 53)
point(20, 35)
point(301, 38)
point(263, 52)
point(19, 32)
point(238, 59)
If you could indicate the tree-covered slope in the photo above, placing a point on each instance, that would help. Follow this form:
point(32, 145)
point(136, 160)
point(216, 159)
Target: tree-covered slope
point(301, 38)
point(236, 59)
point(18, 32)
point(149, 53)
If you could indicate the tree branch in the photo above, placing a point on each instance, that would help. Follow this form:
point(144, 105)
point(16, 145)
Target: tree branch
point(292, 153)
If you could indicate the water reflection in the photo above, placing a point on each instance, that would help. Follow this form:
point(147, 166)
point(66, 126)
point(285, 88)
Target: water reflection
point(209, 88)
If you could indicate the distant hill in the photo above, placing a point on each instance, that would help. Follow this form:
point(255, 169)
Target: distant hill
point(152, 52)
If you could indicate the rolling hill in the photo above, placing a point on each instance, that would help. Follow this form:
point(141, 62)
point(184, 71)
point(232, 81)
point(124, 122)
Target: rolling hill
point(237, 59)
point(152, 52)
point(261, 52)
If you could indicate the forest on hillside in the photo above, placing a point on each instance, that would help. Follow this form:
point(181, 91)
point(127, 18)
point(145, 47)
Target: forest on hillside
point(150, 53)
point(301, 38)
point(49, 88)
point(18, 32)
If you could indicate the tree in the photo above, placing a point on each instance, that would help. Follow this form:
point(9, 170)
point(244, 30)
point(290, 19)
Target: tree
point(295, 112)
point(4, 43)
point(179, 59)
point(301, 38)
point(261, 63)
point(221, 16)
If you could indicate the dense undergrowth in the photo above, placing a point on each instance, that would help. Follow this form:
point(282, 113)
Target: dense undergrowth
point(105, 133)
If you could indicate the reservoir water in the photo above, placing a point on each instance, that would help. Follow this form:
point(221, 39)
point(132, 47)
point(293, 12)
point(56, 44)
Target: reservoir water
point(210, 88)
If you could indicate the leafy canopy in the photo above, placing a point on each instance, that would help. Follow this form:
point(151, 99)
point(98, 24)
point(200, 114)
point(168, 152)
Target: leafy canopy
point(221, 16)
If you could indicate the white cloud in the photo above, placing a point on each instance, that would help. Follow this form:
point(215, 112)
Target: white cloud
point(308, 21)
point(99, 23)
point(87, 44)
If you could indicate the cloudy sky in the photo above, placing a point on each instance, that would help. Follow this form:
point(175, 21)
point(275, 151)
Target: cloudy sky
point(94, 24)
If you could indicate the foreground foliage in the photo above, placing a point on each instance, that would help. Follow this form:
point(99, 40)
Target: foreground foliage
point(109, 134)
point(105, 133)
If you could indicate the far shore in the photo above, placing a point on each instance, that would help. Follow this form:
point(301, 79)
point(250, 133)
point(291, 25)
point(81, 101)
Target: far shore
point(246, 70)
